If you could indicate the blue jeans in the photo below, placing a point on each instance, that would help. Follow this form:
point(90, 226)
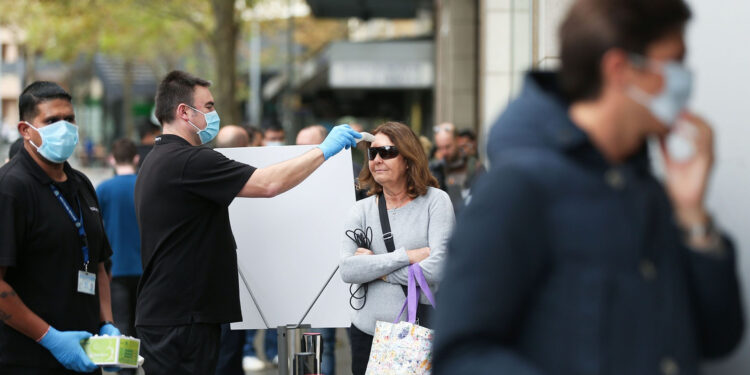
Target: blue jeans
point(328, 364)
point(270, 343)
point(230, 352)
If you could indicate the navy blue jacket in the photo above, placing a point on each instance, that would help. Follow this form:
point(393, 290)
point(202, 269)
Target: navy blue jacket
point(566, 264)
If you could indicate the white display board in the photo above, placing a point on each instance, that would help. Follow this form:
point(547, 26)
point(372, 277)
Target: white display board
point(288, 246)
point(716, 40)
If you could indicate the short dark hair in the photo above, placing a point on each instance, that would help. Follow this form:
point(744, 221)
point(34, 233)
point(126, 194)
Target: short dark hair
point(176, 88)
point(147, 127)
point(38, 92)
point(124, 151)
point(273, 128)
point(253, 131)
point(592, 27)
point(468, 133)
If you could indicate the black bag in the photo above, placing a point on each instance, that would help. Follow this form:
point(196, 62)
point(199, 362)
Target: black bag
point(422, 309)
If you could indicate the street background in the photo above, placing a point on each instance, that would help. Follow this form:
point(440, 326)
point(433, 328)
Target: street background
point(295, 63)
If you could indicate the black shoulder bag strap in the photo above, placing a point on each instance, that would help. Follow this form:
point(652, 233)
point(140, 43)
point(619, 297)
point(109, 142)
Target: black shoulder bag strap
point(385, 224)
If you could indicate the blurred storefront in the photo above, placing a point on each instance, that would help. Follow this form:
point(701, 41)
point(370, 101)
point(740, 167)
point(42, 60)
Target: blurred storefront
point(481, 50)
point(385, 70)
point(372, 81)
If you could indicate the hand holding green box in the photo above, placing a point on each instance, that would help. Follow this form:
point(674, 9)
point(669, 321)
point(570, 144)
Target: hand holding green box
point(119, 351)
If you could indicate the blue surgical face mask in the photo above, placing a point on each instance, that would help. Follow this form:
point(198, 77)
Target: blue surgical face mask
point(212, 125)
point(59, 140)
point(669, 103)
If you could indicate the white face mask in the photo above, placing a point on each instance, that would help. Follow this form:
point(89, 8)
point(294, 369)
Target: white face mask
point(274, 143)
point(667, 105)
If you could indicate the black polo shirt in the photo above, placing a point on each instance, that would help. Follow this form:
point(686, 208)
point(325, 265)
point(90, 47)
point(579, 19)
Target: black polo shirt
point(182, 196)
point(42, 250)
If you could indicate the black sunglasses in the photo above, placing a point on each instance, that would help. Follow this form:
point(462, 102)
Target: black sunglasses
point(386, 152)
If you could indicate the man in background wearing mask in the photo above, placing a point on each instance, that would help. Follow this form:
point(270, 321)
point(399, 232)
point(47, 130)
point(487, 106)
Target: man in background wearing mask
point(273, 136)
point(189, 284)
point(596, 267)
point(54, 289)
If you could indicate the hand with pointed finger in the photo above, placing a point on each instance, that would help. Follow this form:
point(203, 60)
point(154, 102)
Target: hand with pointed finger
point(341, 137)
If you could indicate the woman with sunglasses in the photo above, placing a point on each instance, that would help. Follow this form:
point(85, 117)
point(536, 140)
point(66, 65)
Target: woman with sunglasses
point(421, 221)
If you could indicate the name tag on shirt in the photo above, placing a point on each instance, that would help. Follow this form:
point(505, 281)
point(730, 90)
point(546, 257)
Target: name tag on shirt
point(86, 282)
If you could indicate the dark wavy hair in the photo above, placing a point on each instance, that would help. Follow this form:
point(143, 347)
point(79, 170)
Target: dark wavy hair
point(418, 176)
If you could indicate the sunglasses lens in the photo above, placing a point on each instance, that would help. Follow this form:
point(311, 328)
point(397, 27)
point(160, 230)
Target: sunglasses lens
point(386, 152)
point(372, 153)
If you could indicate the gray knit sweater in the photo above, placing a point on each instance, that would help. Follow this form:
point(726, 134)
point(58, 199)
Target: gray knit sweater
point(426, 221)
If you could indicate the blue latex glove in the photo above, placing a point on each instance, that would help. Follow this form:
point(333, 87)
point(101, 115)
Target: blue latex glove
point(66, 348)
point(339, 138)
point(110, 330)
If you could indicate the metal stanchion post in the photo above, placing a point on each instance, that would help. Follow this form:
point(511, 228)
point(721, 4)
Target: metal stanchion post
point(290, 343)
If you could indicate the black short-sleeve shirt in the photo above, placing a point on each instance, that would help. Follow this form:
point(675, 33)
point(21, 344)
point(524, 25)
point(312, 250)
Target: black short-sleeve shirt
point(182, 196)
point(41, 249)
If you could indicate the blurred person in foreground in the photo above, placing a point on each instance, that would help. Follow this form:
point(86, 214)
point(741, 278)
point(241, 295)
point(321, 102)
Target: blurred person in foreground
point(454, 170)
point(572, 258)
point(421, 220)
point(54, 287)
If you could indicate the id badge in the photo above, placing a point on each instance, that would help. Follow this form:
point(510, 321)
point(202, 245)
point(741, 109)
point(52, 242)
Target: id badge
point(86, 282)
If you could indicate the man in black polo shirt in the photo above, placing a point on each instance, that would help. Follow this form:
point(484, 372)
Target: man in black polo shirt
point(189, 284)
point(54, 290)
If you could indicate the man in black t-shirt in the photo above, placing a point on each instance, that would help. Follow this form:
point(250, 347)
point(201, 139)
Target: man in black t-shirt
point(189, 284)
point(54, 290)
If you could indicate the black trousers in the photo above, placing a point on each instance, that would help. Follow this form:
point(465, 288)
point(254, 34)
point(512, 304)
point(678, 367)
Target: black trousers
point(361, 344)
point(123, 290)
point(18, 370)
point(191, 349)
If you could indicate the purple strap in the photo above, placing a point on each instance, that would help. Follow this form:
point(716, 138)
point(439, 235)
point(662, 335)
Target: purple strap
point(416, 282)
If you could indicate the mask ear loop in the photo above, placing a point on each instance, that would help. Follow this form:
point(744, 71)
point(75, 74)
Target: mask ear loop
point(191, 123)
point(37, 130)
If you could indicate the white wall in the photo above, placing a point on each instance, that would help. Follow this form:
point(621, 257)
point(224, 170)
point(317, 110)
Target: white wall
point(717, 52)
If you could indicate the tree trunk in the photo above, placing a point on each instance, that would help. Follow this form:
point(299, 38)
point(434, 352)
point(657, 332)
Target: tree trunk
point(225, 35)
